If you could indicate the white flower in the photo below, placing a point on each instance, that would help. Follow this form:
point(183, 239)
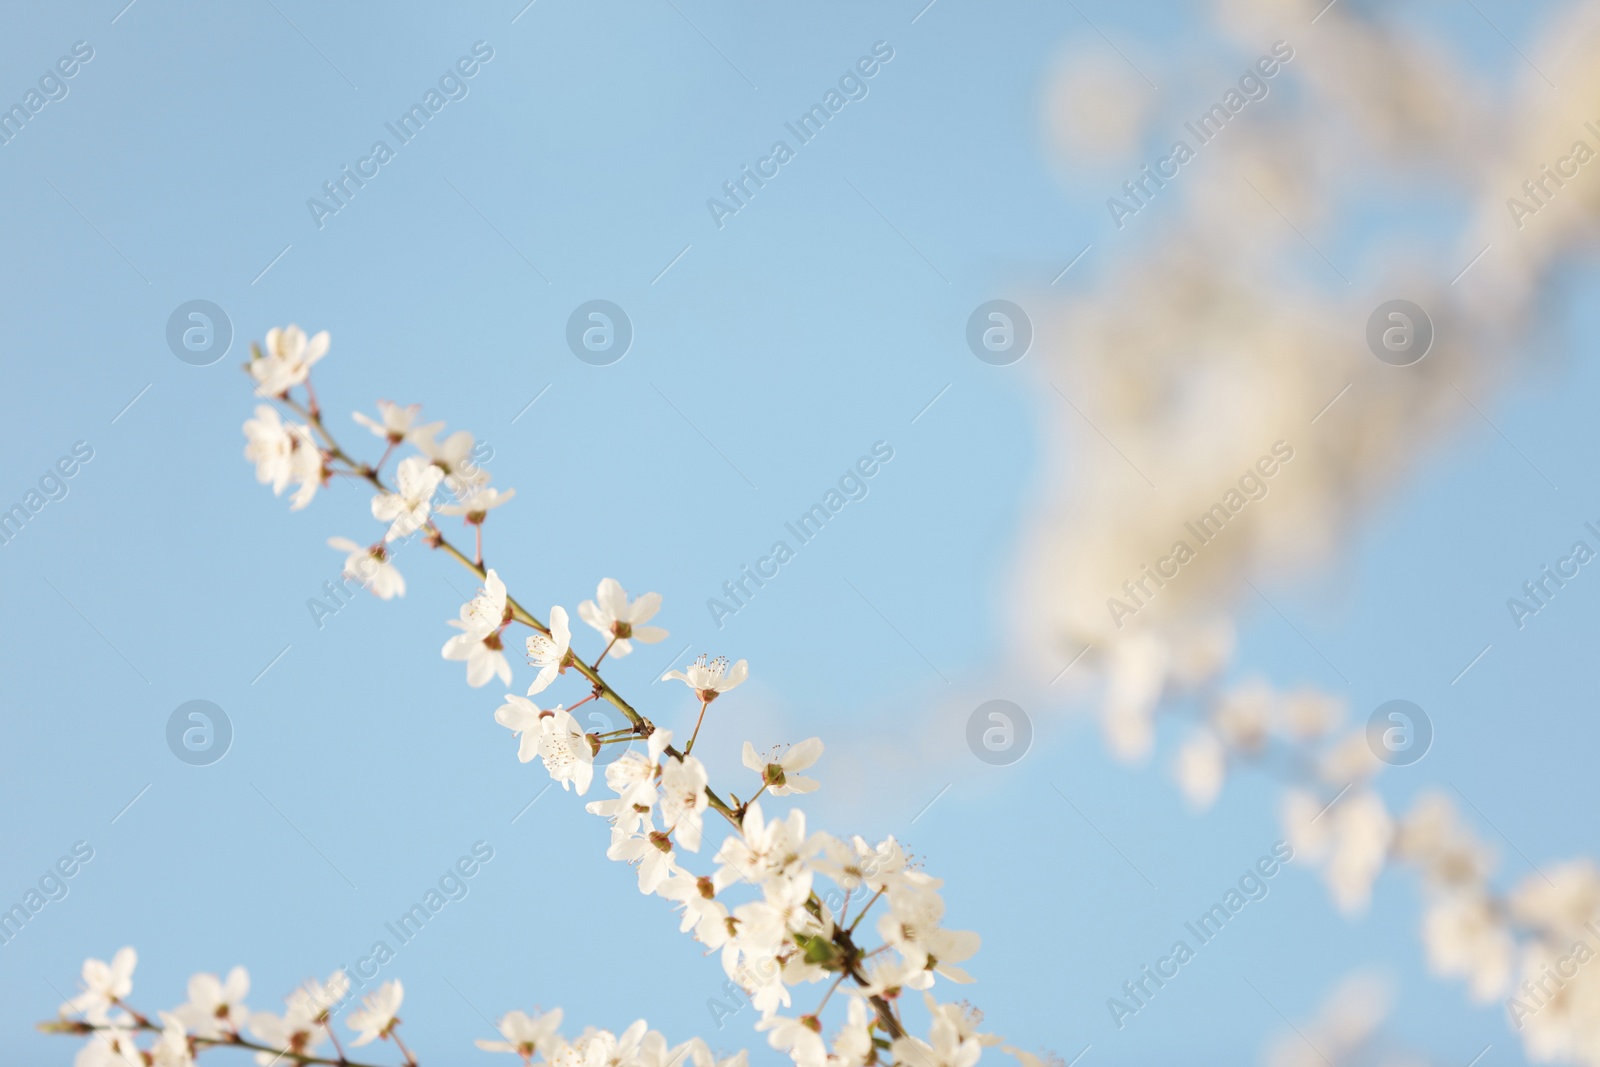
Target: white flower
point(109, 1048)
point(710, 679)
point(485, 656)
point(301, 1027)
point(477, 502)
point(320, 998)
point(172, 1050)
point(486, 612)
point(554, 736)
point(104, 986)
point(395, 421)
point(798, 1037)
point(407, 510)
point(376, 1016)
point(1350, 837)
point(1243, 715)
point(306, 467)
point(612, 614)
point(1466, 939)
point(854, 1044)
point(371, 567)
point(479, 643)
point(684, 800)
point(633, 778)
point(521, 716)
point(269, 445)
point(284, 452)
point(1136, 673)
point(964, 1017)
point(1201, 767)
point(779, 773)
point(887, 976)
point(702, 912)
point(1450, 856)
point(651, 852)
point(947, 1048)
point(290, 1032)
point(765, 851)
point(855, 864)
point(625, 817)
point(287, 360)
point(1560, 1023)
point(216, 1008)
point(912, 927)
point(548, 652)
point(526, 1035)
point(453, 456)
point(1561, 900)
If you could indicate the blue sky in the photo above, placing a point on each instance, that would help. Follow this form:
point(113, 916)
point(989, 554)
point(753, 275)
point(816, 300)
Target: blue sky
point(768, 355)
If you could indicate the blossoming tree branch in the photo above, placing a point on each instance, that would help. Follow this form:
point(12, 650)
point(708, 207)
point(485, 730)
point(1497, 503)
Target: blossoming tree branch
point(760, 901)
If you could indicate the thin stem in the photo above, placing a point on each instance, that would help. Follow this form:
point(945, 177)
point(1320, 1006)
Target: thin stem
point(704, 704)
point(327, 1024)
point(864, 911)
point(394, 1034)
point(73, 1026)
point(842, 976)
point(605, 650)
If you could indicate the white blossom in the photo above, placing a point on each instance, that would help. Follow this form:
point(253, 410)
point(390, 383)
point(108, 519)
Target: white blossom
point(287, 359)
point(376, 1016)
point(684, 800)
point(615, 617)
point(215, 1007)
point(104, 986)
point(778, 773)
point(393, 423)
point(476, 502)
point(406, 509)
point(172, 1048)
point(479, 643)
point(526, 1035)
point(1202, 766)
point(549, 651)
point(710, 678)
point(372, 566)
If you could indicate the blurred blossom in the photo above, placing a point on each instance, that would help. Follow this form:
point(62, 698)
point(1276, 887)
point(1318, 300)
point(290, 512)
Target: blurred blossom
point(1561, 899)
point(1201, 766)
point(1096, 106)
point(1214, 366)
point(1343, 1031)
point(1348, 840)
point(1466, 939)
point(1433, 837)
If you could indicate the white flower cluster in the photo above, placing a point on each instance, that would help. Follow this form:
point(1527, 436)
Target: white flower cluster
point(761, 902)
point(1193, 353)
point(537, 1035)
point(1531, 945)
point(305, 454)
point(215, 1015)
point(786, 932)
